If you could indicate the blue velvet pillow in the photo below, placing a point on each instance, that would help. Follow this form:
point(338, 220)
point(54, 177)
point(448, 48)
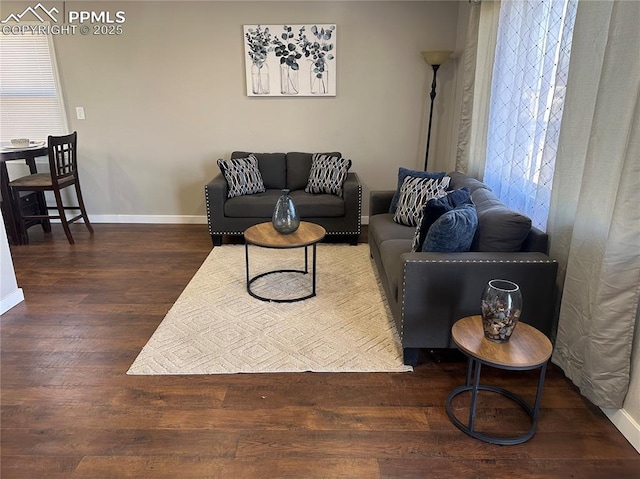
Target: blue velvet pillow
point(402, 173)
point(453, 231)
point(435, 208)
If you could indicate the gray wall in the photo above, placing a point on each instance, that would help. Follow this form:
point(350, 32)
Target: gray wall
point(167, 98)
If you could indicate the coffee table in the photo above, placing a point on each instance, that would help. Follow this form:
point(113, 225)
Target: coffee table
point(264, 235)
point(527, 349)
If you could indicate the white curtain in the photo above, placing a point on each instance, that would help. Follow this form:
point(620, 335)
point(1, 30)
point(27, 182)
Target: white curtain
point(467, 69)
point(527, 98)
point(476, 86)
point(594, 223)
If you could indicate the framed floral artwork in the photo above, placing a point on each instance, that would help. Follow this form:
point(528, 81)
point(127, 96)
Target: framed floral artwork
point(290, 60)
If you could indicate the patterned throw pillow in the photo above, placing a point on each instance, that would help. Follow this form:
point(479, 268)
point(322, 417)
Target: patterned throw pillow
point(327, 174)
point(402, 174)
point(242, 175)
point(414, 193)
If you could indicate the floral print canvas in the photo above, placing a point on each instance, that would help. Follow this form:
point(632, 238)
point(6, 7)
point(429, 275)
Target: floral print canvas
point(290, 60)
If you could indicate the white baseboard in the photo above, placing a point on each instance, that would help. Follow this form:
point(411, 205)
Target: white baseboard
point(161, 219)
point(11, 300)
point(626, 425)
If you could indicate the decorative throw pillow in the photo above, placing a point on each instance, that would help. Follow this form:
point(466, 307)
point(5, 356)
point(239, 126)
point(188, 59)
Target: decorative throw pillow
point(414, 193)
point(242, 175)
point(327, 174)
point(435, 208)
point(453, 231)
point(402, 174)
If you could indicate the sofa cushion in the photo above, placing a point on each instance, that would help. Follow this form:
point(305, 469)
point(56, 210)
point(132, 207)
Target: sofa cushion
point(242, 175)
point(261, 205)
point(460, 180)
point(327, 174)
point(414, 194)
point(434, 209)
point(258, 205)
point(309, 205)
point(298, 168)
point(272, 166)
point(453, 232)
point(499, 228)
point(404, 172)
point(383, 228)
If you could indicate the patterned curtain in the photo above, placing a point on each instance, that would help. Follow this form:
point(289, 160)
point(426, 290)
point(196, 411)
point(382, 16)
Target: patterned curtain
point(527, 97)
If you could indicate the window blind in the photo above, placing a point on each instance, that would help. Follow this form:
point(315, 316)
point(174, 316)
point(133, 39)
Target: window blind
point(31, 103)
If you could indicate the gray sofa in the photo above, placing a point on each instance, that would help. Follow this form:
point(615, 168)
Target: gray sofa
point(340, 216)
point(428, 292)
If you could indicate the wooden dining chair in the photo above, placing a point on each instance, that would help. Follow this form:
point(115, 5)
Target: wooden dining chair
point(63, 172)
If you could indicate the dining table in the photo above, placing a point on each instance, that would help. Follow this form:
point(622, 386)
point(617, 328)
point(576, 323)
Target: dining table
point(11, 204)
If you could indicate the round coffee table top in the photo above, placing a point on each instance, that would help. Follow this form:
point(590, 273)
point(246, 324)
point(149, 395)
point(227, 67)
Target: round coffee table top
point(527, 348)
point(264, 234)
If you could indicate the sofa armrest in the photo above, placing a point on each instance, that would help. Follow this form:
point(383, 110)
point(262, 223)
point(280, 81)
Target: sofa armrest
point(352, 195)
point(380, 201)
point(536, 240)
point(215, 194)
point(437, 289)
point(351, 187)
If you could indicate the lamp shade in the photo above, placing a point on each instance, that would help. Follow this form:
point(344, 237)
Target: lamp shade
point(436, 57)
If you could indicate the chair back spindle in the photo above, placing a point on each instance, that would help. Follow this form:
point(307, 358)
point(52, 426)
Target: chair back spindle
point(62, 156)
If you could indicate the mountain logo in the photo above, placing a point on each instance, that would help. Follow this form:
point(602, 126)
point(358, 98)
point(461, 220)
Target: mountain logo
point(39, 11)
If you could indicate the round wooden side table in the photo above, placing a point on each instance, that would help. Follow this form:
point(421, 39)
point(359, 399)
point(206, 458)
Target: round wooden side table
point(266, 236)
point(527, 349)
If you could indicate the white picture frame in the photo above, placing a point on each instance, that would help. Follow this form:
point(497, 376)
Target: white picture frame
point(290, 60)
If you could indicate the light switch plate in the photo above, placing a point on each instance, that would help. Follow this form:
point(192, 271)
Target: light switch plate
point(80, 113)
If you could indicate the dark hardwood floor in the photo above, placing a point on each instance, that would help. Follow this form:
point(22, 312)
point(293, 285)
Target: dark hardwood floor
point(70, 411)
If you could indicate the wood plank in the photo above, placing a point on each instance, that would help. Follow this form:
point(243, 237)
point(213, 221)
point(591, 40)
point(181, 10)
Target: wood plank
point(108, 441)
point(452, 444)
point(208, 415)
point(36, 467)
point(445, 468)
point(186, 467)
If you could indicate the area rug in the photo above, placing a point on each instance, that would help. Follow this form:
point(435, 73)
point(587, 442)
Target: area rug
point(216, 327)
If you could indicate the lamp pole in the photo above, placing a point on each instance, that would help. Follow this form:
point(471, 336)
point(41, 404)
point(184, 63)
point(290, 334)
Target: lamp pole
point(433, 96)
point(435, 59)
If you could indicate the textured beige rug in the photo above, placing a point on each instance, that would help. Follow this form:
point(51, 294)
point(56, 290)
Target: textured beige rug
point(215, 327)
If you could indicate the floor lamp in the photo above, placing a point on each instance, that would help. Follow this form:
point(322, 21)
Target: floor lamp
point(435, 59)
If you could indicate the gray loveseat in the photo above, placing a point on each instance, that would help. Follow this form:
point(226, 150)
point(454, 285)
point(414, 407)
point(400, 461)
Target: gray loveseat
point(231, 216)
point(428, 291)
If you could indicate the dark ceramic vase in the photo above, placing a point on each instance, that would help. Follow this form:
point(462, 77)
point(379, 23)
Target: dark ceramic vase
point(501, 308)
point(285, 217)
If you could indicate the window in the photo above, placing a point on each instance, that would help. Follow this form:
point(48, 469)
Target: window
point(31, 103)
point(527, 97)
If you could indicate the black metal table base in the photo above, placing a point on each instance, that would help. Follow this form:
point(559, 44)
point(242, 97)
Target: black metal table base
point(475, 386)
point(251, 280)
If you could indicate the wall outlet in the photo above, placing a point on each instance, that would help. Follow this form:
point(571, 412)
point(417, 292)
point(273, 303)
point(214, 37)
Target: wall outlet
point(80, 113)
